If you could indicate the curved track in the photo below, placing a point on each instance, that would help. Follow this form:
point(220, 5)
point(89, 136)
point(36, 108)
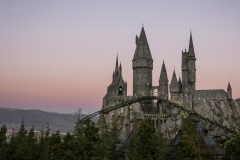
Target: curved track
point(134, 99)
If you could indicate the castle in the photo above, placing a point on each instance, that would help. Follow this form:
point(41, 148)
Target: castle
point(180, 91)
point(216, 105)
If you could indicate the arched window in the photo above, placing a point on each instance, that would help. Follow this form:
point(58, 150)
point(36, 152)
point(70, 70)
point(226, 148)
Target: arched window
point(120, 91)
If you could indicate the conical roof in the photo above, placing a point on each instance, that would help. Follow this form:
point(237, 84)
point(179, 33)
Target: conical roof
point(116, 66)
point(179, 80)
point(174, 79)
point(163, 75)
point(191, 48)
point(180, 84)
point(142, 48)
point(229, 86)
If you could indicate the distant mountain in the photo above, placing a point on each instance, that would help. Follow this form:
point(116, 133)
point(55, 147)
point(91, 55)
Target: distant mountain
point(63, 122)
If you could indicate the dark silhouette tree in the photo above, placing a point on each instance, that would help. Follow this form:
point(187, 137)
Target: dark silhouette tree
point(232, 148)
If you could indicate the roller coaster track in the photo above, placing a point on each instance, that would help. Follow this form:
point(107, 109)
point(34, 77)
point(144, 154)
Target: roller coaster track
point(134, 99)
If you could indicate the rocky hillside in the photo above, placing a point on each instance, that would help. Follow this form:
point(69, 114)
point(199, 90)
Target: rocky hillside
point(13, 117)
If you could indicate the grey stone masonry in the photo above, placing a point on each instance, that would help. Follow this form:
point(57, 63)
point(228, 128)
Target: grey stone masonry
point(142, 65)
point(229, 90)
point(118, 88)
point(163, 82)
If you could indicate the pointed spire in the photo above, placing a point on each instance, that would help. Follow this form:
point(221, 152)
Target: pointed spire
point(191, 48)
point(120, 69)
point(229, 86)
point(116, 67)
point(143, 36)
point(179, 80)
point(142, 48)
point(180, 84)
point(163, 74)
point(174, 78)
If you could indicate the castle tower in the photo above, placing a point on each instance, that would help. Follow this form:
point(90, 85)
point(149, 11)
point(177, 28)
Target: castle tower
point(174, 87)
point(191, 60)
point(180, 84)
point(184, 73)
point(163, 82)
point(229, 91)
point(142, 65)
point(118, 88)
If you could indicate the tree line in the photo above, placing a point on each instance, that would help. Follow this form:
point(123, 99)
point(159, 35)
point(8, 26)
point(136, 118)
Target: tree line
point(85, 142)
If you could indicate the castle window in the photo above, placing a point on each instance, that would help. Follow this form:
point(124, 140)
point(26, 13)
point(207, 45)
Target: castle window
point(120, 91)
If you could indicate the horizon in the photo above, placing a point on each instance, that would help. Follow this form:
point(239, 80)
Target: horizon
point(58, 56)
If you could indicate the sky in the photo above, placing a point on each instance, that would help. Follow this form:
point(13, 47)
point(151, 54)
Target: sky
point(59, 55)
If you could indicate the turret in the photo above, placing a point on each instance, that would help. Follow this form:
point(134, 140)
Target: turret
point(229, 91)
point(120, 69)
point(184, 72)
point(163, 82)
point(174, 86)
point(142, 65)
point(191, 65)
point(113, 75)
point(116, 66)
point(180, 84)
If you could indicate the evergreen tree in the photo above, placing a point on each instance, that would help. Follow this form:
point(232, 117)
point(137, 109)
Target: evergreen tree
point(30, 145)
point(91, 137)
point(54, 151)
point(149, 143)
point(19, 140)
point(3, 143)
point(3, 132)
point(43, 144)
point(190, 142)
point(101, 148)
point(68, 148)
point(107, 146)
point(160, 145)
point(114, 140)
point(233, 148)
point(12, 147)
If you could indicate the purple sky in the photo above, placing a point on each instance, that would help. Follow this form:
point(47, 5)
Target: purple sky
point(59, 55)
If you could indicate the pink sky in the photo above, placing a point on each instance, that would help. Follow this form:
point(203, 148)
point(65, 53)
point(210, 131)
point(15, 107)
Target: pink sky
point(59, 55)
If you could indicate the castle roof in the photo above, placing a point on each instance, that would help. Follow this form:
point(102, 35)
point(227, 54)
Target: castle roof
point(191, 48)
point(163, 74)
point(229, 86)
point(180, 84)
point(142, 48)
point(116, 66)
point(174, 79)
point(214, 91)
point(179, 81)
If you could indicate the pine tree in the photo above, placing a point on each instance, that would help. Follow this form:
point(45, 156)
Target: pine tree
point(190, 142)
point(68, 148)
point(149, 143)
point(3, 143)
point(21, 150)
point(160, 145)
point(30, 144)
point(54, 150)
point(232, 148)
point(3, 132)
point(108, 143)
point(43, 144)
point(91, 137)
